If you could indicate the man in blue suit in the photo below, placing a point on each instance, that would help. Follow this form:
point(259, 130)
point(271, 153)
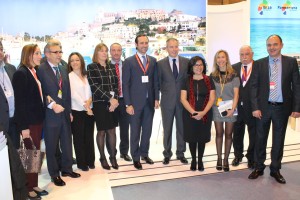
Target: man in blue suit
point(141, 96)
point(57, 126)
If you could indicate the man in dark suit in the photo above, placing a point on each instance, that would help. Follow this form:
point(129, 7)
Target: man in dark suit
point(172, 71)
point(116, 53)
point(244, 69)
point(275, 95)
point(57, 126)
point(7, 102)
point(141, 96)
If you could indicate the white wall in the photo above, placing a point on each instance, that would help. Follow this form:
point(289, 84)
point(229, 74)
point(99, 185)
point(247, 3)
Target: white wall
point(228, 28)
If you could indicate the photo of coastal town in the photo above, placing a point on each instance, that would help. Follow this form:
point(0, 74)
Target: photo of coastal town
point(109, 26)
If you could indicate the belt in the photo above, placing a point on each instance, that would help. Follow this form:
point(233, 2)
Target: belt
point(275, 103)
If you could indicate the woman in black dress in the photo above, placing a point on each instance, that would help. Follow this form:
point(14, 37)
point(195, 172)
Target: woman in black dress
point(103, 81)
point(197, 97)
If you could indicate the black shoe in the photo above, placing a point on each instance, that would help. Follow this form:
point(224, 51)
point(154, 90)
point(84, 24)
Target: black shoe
point(166, 161)
point(36, 197)
point(183, 160)
point(278, 177)
point(58, 181)
point(41, 193)
point(85, 168)
point(104, 164)
point(74, 161)
point(225, 165)
point(255, 174)
point(92, 166)
point(193, 165)
point(148, 160)
point(219, 164)
point(113, 162)
point(236, 161)
point(200, 166)
point(137, 165)
point(71, 174)
point(126, 157)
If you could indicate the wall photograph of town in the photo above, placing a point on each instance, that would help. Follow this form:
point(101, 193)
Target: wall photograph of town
point(81, 25)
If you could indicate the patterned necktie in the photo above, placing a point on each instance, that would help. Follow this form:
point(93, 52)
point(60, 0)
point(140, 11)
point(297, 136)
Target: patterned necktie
point(57, 73)
point(175, 70)
point(119, 80)
point(144, 61)
point(244, 76)
point(274, 77)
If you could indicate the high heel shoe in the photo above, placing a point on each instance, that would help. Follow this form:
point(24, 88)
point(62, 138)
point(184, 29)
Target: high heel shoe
point(225, 165)
point(193, 165)
point(219, 164)
point(114, 163)
point(104, 164)
point(200, 166)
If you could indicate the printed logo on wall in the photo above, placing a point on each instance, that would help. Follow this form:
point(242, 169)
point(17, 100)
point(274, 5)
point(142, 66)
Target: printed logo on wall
point(287, 6)
point(264, 6)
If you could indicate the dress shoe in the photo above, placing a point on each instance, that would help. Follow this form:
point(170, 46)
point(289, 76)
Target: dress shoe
point(183, 160)
point(41, 192)
point(255, 174)
point(166, 161)
point(200, 166)
point(193, 165)
point(85, 168)
point(92, 166)
point(114, 163)
point(148, 160)
point(104, 164)
point(137, 165)
point(71, 174)
point(58, 181)
point(251, 164)
point(278, 177)
point(126, 157)
point(225, 165)
point(219, 164)
point(36, 197)
point(236, 161)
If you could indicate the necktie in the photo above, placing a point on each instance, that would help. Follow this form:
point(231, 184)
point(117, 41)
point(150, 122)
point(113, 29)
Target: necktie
point(175, 70)
point(57, 74)
point(244, 76)
point(119, 80)
point(274, 75)
point(144, 61)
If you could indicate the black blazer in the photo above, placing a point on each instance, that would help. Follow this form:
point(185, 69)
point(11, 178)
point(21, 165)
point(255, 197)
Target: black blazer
point(290, 83)
point(29, 109)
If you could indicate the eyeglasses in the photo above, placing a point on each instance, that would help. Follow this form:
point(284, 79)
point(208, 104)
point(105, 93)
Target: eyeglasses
point(56, 52)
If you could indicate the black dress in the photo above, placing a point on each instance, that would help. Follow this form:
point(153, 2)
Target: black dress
point(197, 130)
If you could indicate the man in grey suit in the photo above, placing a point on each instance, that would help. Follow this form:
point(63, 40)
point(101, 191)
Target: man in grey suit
point(172, 72)
point(275, 95)
point(57, 126)
point(7, 101)
point(141, 96)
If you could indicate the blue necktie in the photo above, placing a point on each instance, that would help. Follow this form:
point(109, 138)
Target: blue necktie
point(57, 73)
point(175, 70)
point(274, 78)
point(144, 61)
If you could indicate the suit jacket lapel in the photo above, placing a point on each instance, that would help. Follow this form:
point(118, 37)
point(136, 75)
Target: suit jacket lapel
point(180, 73)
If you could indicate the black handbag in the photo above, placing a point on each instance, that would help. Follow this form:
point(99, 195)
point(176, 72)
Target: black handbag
point(31, 158)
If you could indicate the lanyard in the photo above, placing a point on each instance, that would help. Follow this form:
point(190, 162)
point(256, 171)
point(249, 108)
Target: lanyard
point(222, 84)
point(141, 65)
point(245, 75)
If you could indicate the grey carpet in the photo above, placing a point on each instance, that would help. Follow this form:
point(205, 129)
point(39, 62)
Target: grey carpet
point(231, 185)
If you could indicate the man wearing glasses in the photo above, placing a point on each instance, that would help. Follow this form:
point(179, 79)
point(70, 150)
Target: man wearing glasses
point(57, 126)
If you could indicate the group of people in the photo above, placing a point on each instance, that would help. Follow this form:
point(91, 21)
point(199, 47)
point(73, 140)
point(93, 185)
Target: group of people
point(62, 99)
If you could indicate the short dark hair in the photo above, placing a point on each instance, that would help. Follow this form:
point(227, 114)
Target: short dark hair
point(275, 35)
point(82, 63)
point(138, 36)
point(192, 63)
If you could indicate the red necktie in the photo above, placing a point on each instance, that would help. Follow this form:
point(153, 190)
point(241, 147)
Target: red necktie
point(119, 81)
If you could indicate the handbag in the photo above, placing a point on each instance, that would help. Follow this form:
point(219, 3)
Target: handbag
point(31, 158)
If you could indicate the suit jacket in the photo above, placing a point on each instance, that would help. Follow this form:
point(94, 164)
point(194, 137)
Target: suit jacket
point(134, 91)
point(169, 86)
point(4, 111)
point(290, 83)
point(29, 108)
point(244, 91)
point(50, 87)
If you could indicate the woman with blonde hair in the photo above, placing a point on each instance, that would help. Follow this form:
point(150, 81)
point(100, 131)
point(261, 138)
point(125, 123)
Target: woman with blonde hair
point(227, 85)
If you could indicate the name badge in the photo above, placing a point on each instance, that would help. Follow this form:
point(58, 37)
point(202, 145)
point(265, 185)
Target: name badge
point(145, 79)
point(59, 95)
point(272, 85)
point(112, 93)
point(219, 100)
point(8, 93)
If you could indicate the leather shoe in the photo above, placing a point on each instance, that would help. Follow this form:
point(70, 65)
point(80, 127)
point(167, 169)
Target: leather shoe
point(255, 174)
point(104, 164)
point(148, 160)
point(137, 165)
point(58, 181)
point(183, 160)
point(41, 193)
point(114, 163)
point(71, 174)
point(225, 165)
point(219, 166)
point(193, 165)
point(37, 197)
point(200, 166)
point(166, 161)
point(126, 157)
point(278, 177)
point(85, 168)
point(92, 166)
point(236, 161)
